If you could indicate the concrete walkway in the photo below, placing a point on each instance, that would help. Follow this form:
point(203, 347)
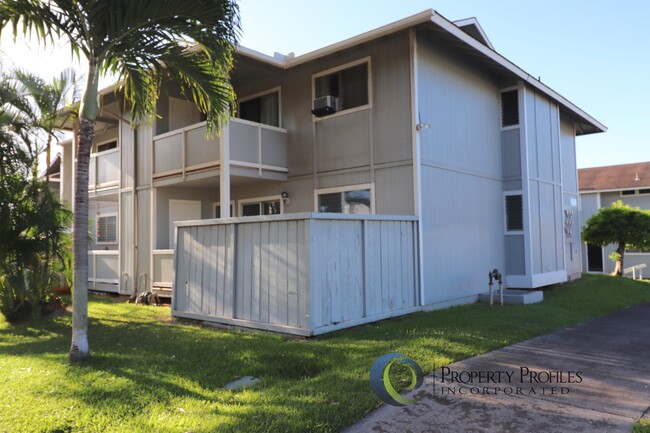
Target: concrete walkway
point(610, 354)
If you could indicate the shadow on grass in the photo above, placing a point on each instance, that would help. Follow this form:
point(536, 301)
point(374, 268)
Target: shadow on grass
point(141, 365)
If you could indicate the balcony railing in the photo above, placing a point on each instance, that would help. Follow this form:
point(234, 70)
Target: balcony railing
point(104, 170)
point(103, 271)
point(253, 146)
point(163, 270)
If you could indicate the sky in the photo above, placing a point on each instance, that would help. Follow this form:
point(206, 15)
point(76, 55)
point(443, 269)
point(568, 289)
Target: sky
point(593, 52)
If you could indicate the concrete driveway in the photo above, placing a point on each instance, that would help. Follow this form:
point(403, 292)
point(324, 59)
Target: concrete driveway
point(593, 377)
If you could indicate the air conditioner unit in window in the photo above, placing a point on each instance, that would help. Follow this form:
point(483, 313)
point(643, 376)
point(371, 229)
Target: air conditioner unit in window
point(325, 105)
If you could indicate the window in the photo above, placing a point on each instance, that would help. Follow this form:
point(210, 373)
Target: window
point(264, 206)
point(628, 192)
point(349, 85)
point(107, 146)
point(346, 200)
point(262, 109)
point(107, 229)
point(514, 213)
point(217, 210)
point(510, 108)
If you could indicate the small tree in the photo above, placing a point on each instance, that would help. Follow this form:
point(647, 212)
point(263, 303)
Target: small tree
point(619, 224)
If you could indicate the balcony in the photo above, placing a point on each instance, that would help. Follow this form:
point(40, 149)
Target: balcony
point(163, 272)
point(104, 170)
point(103, 271)
point(251, 150)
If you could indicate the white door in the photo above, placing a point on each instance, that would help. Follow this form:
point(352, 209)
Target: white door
point(182, 210)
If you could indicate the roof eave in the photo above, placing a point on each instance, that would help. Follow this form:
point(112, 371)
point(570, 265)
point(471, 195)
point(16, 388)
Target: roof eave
point(588, 120)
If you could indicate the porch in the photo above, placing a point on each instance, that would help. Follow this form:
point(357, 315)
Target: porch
point(304, 273)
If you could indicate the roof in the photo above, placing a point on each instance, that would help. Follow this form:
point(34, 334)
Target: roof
point(614, 177)
point(469, 37)
point(55, 166)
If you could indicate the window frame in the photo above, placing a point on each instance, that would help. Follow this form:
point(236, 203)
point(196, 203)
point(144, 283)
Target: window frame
point(104, 152)
point(242, 202)
point(368, 60)
point(218, 203)
point(277, 89)
point(117, 228)
point(501, 92)
point(505, 213)
point(346, 188)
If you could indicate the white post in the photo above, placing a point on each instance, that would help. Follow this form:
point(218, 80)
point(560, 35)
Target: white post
point(224, 172)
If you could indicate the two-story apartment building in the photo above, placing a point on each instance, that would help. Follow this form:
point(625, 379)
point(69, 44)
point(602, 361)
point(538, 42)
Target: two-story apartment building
point(384, 174)
point(602, 186)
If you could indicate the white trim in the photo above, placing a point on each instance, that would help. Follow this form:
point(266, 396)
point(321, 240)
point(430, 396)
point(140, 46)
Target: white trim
point(346, 188)
point(298, 216)
point(103, 252)
point(260, 200)
point(117, 227)
point(416, 144)
point(218, 203)
point(525, 182)
point(473, 21)
point(277, 89)
point(116, 139)
point(361, 61)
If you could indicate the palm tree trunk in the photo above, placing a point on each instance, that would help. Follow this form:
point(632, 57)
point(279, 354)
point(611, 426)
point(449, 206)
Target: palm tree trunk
point(79, 347)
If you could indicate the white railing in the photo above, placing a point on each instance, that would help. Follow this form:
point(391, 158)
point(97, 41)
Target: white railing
point(163, 269)
point(104, 170)
point(636, 271)
point(103, 270)
point(252, 145)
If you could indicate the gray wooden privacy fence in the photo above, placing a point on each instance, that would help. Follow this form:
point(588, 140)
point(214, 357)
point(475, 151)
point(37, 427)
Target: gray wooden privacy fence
point(304, 274)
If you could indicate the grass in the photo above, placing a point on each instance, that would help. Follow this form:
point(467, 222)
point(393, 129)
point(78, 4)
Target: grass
point(643, 426)
point(148, 374)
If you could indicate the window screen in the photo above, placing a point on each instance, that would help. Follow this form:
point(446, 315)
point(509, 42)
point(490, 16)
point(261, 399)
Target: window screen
point(514, 213)
point(509, 108)
point(353, 202)
point(107, 229)
point(350, 85)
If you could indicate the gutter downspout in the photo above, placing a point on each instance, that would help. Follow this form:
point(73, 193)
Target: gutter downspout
point(415, 140)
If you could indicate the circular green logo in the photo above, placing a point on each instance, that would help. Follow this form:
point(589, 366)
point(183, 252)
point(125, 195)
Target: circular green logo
point(380, 378)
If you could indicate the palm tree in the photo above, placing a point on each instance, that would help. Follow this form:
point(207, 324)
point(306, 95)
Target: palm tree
point(48, 100)
point(144, 43)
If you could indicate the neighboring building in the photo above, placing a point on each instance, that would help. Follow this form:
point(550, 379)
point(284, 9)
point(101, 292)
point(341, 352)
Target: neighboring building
point(602, 186)
point(452, 160)
point(54, 172)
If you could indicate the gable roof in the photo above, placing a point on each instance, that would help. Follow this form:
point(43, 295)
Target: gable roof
point(467, 34)
point(468, 37)
point(474, 29)
point(614, 177)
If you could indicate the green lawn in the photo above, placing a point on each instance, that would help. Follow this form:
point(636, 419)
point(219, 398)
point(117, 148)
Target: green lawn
point(148, 374)
point(642, 426)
